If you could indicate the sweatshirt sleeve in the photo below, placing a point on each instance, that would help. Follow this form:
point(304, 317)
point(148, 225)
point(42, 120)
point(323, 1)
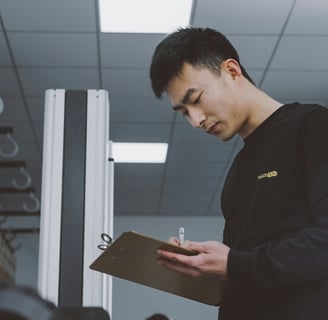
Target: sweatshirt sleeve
point(304, 257)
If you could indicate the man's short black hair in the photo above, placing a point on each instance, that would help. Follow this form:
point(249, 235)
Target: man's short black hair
point(199, 47)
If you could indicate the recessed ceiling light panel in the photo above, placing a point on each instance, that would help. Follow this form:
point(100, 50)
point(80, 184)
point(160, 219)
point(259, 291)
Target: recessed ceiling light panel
point(144, 16)
point(139, 152)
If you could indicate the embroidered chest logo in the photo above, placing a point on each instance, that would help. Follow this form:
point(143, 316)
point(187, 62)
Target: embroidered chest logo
point(269, 174)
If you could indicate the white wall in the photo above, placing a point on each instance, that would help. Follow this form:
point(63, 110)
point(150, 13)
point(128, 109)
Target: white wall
point(136, 302)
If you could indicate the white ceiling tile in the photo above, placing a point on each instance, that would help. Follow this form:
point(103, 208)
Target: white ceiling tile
point(197, 170)
point(302, 53)
point(185, 206)
point(199, 153)
point(297, 85)
point(37, 80)
point(127, 82)
point(36, 108)
point(38, 127)
point(189, 185)
point(137, 199)
point(128, 50)
point(138, 170)
point(54, 49)
point(254, 51)
point(215, 208)
point(132, 210)
point(256, 75)
point(182, 210)
point(185, 199)
point(14, 110)
point(238, 16)
point(309, 17)
point(8, 82)
point(47, 15)
point(139, 110)
point(4, 53)
point(184, 203)
point(23, 131)
point(140, 132)
point(20, 124)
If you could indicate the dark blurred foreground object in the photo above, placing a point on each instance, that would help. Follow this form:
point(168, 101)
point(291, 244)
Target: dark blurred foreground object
point(80, 313)
point(158, 316)
point(21, 303)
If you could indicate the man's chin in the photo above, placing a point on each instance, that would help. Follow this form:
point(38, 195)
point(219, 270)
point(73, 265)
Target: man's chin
point(224, 137)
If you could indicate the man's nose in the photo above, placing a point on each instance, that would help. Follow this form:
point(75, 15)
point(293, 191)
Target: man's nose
point(197, 118)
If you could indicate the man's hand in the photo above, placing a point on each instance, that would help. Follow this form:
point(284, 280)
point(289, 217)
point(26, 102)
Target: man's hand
point(210, 261)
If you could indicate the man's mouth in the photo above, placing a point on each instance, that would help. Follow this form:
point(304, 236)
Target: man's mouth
point(212, 128)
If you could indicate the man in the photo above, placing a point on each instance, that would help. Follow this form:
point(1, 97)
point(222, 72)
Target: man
point(275, 197)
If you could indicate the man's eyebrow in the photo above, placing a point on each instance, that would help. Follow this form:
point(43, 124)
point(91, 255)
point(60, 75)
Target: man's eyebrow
point(185, 99)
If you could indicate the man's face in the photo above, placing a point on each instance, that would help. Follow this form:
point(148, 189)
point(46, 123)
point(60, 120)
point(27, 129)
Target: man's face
point(209, 101)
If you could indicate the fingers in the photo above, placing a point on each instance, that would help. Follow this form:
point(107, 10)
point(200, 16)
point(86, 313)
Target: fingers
point(206, 247)
point(177, 262)
point(196, 246)
point(173, 240)
point(186, 244)
point(173, 257)
point(175, 266)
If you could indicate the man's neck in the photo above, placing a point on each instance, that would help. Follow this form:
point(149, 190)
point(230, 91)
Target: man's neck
point(260, 106)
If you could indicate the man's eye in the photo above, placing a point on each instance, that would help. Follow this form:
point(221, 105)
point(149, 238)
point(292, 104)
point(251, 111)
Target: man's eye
point(197, 100)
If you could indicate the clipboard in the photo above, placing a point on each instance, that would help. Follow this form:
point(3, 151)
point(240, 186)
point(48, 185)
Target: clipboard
point(133, 257)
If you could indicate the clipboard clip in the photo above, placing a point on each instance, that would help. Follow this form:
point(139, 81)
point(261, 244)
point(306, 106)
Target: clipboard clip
point(107, 241)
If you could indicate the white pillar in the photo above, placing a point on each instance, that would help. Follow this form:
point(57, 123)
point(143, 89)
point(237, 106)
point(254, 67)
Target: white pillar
point(77, 198)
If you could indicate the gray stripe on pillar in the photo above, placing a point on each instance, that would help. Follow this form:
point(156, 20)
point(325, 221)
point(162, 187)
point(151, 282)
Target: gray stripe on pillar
point(72, 220)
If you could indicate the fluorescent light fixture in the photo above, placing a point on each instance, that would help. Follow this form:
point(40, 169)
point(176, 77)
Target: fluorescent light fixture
point(144, 16)
point(139, 152)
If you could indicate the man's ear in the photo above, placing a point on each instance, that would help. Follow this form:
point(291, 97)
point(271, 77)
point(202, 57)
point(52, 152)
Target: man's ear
point(232, 67)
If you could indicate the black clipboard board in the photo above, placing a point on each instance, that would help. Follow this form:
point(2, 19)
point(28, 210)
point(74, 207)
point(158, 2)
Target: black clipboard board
point(133, 257)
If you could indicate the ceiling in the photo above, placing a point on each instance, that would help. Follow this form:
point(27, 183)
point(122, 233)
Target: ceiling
point(57, 44)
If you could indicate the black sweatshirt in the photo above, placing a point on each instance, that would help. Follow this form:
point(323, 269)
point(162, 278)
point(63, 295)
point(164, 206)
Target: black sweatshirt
point(275, 203)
